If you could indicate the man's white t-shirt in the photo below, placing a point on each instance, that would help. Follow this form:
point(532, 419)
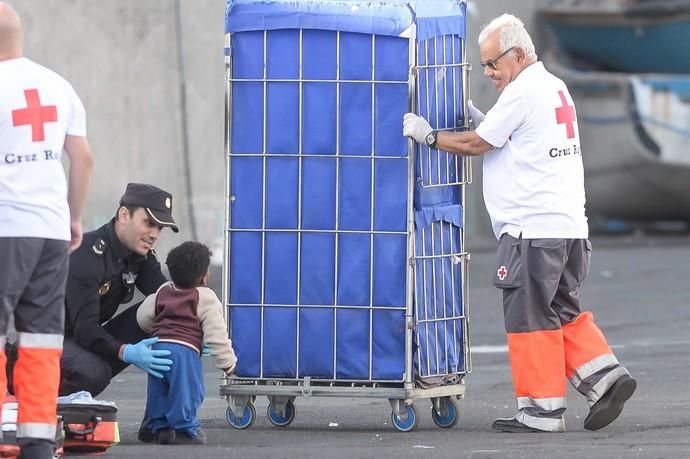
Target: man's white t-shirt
point(38, 108)
point(534, 179)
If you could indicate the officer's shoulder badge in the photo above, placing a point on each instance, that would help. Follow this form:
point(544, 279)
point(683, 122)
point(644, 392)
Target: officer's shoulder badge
point(99, 246)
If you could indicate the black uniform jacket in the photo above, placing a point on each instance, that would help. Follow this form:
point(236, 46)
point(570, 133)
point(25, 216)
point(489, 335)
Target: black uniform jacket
point(102, 276)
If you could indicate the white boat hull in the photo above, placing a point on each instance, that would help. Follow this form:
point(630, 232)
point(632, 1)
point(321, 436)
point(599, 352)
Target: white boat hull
point(635, 145)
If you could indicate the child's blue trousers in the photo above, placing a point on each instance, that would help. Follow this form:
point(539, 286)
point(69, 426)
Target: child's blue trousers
point(173, 402)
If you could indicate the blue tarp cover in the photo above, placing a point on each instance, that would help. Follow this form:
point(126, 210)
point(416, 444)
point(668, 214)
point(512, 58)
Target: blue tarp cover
point(432, 17)
point(319, 183)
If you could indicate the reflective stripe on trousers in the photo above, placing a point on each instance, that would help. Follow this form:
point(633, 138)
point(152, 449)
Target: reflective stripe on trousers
point(541, 361)
point(32, 289)
point(36, 380)
point(549, 338)
point(591, 366)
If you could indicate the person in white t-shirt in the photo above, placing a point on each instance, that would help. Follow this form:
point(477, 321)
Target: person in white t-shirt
point(534, 192)
point(40, 224)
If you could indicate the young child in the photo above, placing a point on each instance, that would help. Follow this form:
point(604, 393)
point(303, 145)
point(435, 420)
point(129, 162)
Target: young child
point(184, 314)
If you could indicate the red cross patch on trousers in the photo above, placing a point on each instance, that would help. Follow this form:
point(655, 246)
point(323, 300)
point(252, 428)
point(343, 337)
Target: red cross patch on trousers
point(34, 115)
point(565, 114)
point(502, 272)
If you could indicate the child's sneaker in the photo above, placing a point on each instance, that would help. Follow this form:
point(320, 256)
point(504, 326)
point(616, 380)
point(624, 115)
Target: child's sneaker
point(172, 437)
point(145, 434)
point(183, 438)
point(165, 437)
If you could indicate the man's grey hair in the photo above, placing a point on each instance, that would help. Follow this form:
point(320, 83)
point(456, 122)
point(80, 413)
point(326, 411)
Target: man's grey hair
point(512, 33)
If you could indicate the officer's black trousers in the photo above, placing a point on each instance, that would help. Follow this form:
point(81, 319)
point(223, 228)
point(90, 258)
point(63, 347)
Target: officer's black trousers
point(83, 370)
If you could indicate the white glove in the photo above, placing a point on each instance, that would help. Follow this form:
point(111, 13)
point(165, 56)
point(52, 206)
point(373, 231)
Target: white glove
point(416, 127)
point(476, 116)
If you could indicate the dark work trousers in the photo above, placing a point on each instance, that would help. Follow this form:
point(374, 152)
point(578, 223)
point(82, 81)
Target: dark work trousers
point(33, 272)
point(173, 402)
point(84, 370)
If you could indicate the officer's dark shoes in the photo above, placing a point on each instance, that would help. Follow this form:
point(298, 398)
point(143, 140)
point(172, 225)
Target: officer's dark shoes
point(172, 437)
point(512, 425)
point(610, 405)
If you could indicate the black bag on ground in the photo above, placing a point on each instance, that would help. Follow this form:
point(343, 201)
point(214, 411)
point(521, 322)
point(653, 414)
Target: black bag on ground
point(89, 428)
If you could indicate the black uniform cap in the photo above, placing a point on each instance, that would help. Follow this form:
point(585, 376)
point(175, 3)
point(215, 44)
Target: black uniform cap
point(156, 202)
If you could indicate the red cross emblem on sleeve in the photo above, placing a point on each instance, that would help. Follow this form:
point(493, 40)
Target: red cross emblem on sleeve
point(34, 115)
point(502, 272)
point(565, 114)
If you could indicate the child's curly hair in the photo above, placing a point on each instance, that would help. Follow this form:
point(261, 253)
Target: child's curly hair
point(188, 264)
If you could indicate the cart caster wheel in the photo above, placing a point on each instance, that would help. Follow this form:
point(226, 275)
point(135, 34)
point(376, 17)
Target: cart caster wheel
point(244, 422)
point(449, 418)
point(278, 420)
point(408, 424)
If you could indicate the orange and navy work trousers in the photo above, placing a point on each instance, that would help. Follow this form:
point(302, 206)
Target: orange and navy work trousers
point(550, 339)
point(33, 274)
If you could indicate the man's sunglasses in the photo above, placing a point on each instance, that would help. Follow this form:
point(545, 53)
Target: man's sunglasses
point(491, 63)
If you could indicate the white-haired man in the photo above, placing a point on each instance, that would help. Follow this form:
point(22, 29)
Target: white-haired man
point(534, 192)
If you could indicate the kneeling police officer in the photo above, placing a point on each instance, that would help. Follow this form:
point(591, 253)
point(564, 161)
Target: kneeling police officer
point(111, 263)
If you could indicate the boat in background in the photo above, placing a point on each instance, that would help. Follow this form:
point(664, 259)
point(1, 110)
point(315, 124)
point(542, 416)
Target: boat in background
point(634, 132)
point(627, 66)
point(623, 35)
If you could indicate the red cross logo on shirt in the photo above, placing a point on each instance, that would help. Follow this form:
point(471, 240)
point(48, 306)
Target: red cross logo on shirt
point(502, 272)
point(565, 114)
point(35, 115)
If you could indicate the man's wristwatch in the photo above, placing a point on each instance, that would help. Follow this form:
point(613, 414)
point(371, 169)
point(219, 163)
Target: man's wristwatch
point(430, 139)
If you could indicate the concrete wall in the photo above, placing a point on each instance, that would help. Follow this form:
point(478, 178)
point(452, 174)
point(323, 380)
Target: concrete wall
point(122, 58)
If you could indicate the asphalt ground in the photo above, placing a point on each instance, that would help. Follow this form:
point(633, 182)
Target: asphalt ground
point(639, 291)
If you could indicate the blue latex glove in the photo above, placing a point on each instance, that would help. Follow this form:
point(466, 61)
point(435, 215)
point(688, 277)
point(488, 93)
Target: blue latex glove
point(149, 360)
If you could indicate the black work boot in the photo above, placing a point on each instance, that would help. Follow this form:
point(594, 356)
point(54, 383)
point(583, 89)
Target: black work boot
point(512, 425)
point(34, 448)
point(610, 405)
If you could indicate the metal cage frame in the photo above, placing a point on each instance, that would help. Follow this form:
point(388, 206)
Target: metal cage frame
point(241, 392)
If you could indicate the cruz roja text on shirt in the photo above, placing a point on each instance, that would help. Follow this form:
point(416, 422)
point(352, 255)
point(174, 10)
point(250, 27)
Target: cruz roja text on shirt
point(12, 158)
point(556, 152)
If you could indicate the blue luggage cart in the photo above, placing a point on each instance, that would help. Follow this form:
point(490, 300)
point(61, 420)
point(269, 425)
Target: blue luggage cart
point(345, 270)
